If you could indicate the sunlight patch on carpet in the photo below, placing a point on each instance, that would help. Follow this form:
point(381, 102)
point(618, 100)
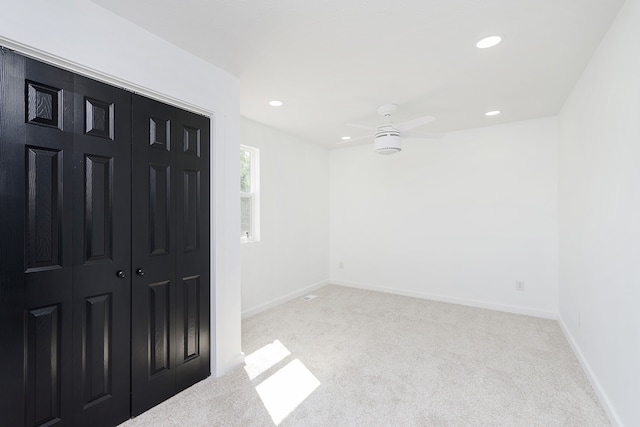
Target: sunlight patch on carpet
point(266, 357)
point(282, 392)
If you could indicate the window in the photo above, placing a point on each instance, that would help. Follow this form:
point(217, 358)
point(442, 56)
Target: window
point(249, 195)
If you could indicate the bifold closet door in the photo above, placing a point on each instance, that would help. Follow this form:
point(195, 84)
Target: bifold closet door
point(36, 145)
point(101, 254)
point(170, 252)
point(65, 236)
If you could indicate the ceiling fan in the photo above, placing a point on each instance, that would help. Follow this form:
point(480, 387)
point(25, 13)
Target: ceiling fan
point(387, 135)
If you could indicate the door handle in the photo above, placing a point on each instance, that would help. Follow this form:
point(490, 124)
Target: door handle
point(121, 274)
point(140, 272)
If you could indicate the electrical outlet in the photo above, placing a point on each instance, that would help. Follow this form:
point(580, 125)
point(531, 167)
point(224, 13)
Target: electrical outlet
point(341, 265)
point(520, 286)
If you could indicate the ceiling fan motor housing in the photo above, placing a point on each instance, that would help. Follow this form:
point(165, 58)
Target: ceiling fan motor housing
point(387, 141)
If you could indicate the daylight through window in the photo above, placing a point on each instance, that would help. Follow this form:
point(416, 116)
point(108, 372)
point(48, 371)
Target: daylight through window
point(249, 201)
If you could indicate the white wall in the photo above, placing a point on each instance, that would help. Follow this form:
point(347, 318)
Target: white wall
point(292, 256)
point(460, 219)
point(84, 37)
point(599, 217)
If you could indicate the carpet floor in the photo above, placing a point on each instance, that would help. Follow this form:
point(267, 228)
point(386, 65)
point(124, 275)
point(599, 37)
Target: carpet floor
point(351, 357)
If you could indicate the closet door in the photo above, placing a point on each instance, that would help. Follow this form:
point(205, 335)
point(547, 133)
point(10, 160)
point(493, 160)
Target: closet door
point(153, 255)
point(192, 249)
point(170, 251)
point(65, 233)
point(36, 153)
point(101, 253)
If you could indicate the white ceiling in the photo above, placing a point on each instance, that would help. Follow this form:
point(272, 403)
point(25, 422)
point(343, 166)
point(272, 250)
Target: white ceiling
point(334, 62)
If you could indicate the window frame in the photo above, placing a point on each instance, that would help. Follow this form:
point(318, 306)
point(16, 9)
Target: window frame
point(253, 195)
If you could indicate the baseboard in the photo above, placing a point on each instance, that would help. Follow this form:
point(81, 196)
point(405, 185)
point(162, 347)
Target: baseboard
point(591, 376)
point(230, 365)
point(453, 300)
point(281, 300)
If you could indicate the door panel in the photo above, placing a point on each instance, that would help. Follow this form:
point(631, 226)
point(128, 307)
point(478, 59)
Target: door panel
point(193, 293)
point(170, 302)
point(159, 332)
point(153, 253)
point(98, 208)
point(189, 301)
point(43, 366)
point(96, 347)
point(101, 249)
point(159, 208)
point(36, 146)
point(44, 205)
point(191, 210)
point(47, 156)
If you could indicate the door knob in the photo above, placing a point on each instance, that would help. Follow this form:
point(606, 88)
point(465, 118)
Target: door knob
point(140, 272)
point(121, 274)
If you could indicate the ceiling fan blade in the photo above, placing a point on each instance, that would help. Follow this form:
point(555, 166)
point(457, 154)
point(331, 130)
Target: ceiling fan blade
point(414, 123)
point(354, 125)
point(415, 134)
point(353, 139)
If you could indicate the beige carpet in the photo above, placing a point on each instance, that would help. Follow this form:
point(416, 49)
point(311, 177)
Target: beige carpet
point(359, 358)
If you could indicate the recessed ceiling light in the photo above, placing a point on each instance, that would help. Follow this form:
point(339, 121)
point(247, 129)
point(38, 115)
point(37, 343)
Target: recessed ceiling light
point(345, 138)
point(489, 42)
point(492, 113)
point(276, 103)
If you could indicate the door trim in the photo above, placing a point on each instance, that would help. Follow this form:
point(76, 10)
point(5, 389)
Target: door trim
point(75, 67)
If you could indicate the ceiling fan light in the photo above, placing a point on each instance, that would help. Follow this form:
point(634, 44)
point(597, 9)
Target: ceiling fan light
point(387, 143)
point(388, 151)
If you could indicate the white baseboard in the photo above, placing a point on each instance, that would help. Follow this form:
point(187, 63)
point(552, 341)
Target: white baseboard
point(453, 300)
point(281, 300)
point(236, 360)
point(595, 384)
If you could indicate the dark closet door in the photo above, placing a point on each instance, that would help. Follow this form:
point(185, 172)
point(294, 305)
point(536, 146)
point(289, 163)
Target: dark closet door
point(36, 146)
point(153, 253)
point(101, 254)
point(65, 232)
point(170, 251)
point(192, 249)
